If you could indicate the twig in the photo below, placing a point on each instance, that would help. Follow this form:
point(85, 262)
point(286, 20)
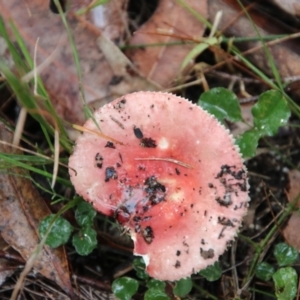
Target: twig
point(171, 160)
point(84, 129)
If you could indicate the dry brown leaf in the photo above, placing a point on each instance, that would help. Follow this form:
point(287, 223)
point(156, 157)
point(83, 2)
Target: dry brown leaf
point(291, 231)
point(294, 186)
point(126, 77)
point(34, 20)
point(21, 210)
point(290, 6)
point(6, 270)
point(234, 23)
point(162, 64)
point(101, 81)
point(7, 263)
point(110, 18)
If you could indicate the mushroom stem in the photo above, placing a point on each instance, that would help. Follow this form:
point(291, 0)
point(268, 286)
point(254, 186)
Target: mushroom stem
point(172, 160)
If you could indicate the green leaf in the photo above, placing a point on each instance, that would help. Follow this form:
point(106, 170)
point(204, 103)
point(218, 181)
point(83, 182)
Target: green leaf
point(156, 294)
point(264, 271)
point(156, 290)
point(183, 287)
point(270, 112)
point(139, 266)
point(85, 214)
point(157, 284)
point(85, 241)
point(59, 233)
point(248, 142)
point(125, 287)
point(221, 103)
point(285, 255)
point(285, 280)
point(212, 273)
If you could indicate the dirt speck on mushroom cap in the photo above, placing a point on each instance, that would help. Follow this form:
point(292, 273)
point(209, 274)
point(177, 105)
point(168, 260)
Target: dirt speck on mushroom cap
point(182, 196)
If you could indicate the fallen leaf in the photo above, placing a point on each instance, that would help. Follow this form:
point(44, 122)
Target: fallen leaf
point(169, 23)
point(8, 264)
point(34, 20)
point(21, 209)
point(126, 77)
point(234, 23)
point(110, 18)
point(290, 6)
point(291, 230)
point(103, 78)
point(294, 186)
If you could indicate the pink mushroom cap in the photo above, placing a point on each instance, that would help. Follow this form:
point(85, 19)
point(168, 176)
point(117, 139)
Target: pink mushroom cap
point(169, 173)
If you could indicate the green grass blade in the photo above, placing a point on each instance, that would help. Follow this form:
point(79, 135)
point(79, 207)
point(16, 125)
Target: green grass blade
point(28, 167)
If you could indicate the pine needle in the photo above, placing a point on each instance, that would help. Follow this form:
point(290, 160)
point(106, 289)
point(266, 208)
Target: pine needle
point(83, 129)
point(171, 160)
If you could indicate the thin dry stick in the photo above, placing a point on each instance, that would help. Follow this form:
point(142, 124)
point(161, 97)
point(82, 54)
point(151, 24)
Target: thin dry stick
point(38, 69)
point(20, 126)
point(232, 76)
point(83, 129)
point(261, 257)
point(235, 59)
point(35, 74)
point(17, 136)
point(56, 142)
point(31, 260)
point(216, 24)
point(185, 85)
point(265, 228)
point(171, 160)
point(237, 16)
point(56, 157)
point(29, 264)
point(271, 43)
point(23, 112)
point(233, 263)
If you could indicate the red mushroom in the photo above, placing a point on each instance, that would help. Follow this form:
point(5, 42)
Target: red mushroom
point(169, 173)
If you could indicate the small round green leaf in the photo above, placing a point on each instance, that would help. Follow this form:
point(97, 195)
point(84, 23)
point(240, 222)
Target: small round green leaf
point(125, 287)
point(270, 112)
point(85, 241)
point(212, 273)
point(248, 142)
point(139, 266)
point(285, 254)
point(285, 280)
point(183, 287)
point(59, 233)
point(264, 271)
point(85, 214)
point(157, 284)
point(156, 294)
point(221, 103)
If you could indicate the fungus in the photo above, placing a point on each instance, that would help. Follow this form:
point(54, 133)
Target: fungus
point(179, 188)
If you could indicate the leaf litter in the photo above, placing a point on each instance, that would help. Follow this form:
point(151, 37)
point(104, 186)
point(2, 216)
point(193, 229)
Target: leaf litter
point(268, 170)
